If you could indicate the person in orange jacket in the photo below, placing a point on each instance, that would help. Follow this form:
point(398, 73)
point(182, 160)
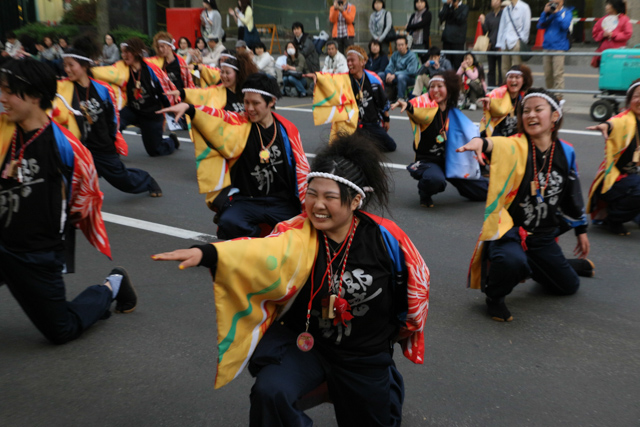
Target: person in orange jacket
point(342, 15)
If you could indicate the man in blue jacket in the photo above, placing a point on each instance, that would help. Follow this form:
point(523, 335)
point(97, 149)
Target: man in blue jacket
point(555, 21)
point(402, 69)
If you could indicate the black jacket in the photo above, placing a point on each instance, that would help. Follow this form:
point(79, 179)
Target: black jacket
point(455, 29)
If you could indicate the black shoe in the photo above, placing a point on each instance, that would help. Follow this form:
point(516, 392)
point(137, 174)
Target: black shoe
point(126, 299)
point(426, 202)
point(617, 228)
point(154, 189)
point(176, 141)
point(583, 267)
point(498, 310)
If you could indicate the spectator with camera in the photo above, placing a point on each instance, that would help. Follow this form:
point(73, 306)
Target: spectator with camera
point(513, 31)
point(454, 15)
point(342, 15)
point(435, 64)
point(555, 21)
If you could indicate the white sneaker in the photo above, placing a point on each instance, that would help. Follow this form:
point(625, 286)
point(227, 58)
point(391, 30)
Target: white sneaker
point(473, 107)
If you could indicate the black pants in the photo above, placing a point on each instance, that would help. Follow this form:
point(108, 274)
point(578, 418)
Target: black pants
point(111, 168)
point(365, 390)
point(152, 138)
point(494, 77)
point(623, 199)
point(456, 60)
point(35, 281)
point(344, 43)
point(543, 261)
point(432, 180)
point(242, 216)
point(379, 135)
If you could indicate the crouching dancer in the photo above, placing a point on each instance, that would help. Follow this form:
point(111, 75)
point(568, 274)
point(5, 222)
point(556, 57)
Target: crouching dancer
point(48, 185)
point(534, 196)
point(330, 293)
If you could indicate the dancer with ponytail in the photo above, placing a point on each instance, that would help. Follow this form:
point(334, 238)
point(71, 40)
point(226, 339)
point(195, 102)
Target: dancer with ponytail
point(332, 291)
point(86, 107)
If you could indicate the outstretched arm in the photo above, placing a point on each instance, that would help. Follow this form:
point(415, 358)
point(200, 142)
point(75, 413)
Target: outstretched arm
point(187, 257)
point(478, 145)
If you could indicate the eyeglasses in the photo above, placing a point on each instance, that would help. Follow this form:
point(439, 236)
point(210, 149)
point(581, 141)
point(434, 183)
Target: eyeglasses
point(5, 71)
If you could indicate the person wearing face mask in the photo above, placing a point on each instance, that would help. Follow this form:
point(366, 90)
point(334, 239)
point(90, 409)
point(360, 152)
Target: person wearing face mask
point(614, 197)
point(544, 200)
point(501, 104)
point(293, 72)
point(251, 165)
point(439, 128)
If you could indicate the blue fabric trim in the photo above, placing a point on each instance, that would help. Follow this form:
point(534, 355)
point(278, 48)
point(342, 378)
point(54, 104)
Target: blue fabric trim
point(570, 154)
point(66, 154)
point(290, 158)
point(398, 264)
point(103, 92)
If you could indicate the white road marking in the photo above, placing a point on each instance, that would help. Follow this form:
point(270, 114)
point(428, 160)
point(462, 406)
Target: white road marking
point(158, 228)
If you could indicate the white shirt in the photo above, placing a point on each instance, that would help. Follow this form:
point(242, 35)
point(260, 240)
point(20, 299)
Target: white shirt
point(521, 15)
point(265, 63)
point(335, 65)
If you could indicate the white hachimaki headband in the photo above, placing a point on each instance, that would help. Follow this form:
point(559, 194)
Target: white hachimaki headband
point(228, 55)
point(554, 104)
point(633, 86)
point(171, 43)
point(261, 92)
point(360, 191)
point(226, 64)
point(516, 72)
point(436, 79)
point(123, 45)
point(356, 52)
point(80, 57)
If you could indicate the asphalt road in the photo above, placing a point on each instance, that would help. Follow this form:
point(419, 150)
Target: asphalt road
point(563, 361)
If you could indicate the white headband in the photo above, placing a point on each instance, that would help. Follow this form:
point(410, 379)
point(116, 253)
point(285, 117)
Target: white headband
point(225, 64)
point(436, 79)
point(517, 72)
point(168, 43)
point(632, 87)
point(261, 92)
point(80, 57)
point(342, 180)
point(546, 97)
point(356, 52)
point(227, 55)
point(123, 45)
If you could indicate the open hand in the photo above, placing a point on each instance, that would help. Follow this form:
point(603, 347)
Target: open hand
point(603, 128)
point(188, 257)
point(400, 103)
point(178, 110)
point(582, 247)
point(474, 145)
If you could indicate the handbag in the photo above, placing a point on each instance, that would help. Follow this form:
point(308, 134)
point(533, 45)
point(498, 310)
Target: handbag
point(391, 35)
point(482, 44)
point(524, 46)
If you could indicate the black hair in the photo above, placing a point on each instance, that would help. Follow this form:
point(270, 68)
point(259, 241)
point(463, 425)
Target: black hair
point(356, 158)
point(452, 83)
point(630, 93)
point(372, 42)
point(84, 46)
point(136, 47)
point(619, 5)
point(184, 38)
point(426, 4)
point(433, 51)
point(557, 125)
point(30, 77)
point(211, 3)
point(112, 38)
point(11, 35)
point(297, 25)
point(259, 45)
point(373, 4)
point(294, 45)
point(332, 42)
point(402, 37)
point(244, 64)
point(265, 82)
point(476, 64)
point(203, 41)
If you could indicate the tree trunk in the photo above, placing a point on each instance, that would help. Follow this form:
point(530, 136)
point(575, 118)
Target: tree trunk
point(102, 17)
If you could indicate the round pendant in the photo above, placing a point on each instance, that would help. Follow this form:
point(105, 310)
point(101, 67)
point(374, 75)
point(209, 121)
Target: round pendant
point(305, 341)
point(264, 155)
point(439, 139)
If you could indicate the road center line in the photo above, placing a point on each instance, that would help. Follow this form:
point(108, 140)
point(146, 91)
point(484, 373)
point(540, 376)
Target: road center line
point(158, 228)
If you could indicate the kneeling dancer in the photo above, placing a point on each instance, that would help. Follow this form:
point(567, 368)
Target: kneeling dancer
point(332, 290)
point(534, 196)
point(48, 186)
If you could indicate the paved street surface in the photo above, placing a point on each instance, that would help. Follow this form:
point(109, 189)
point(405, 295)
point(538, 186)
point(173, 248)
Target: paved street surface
point(563, 361)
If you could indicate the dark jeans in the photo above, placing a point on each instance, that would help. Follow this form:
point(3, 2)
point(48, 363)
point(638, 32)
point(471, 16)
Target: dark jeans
point(432, 180)
point(456, 60)
point(494, 77)
point(379, 135)
point(365, 390)
point(35, 280)
point(242, 216)
point(344, 43)
point(152, 138)
point(111, 168)
point(299, 84)
point(623, 199)
point(476, 91)
point(509, 264)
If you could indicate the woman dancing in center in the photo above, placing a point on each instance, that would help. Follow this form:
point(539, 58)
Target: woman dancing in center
point(351, 284)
